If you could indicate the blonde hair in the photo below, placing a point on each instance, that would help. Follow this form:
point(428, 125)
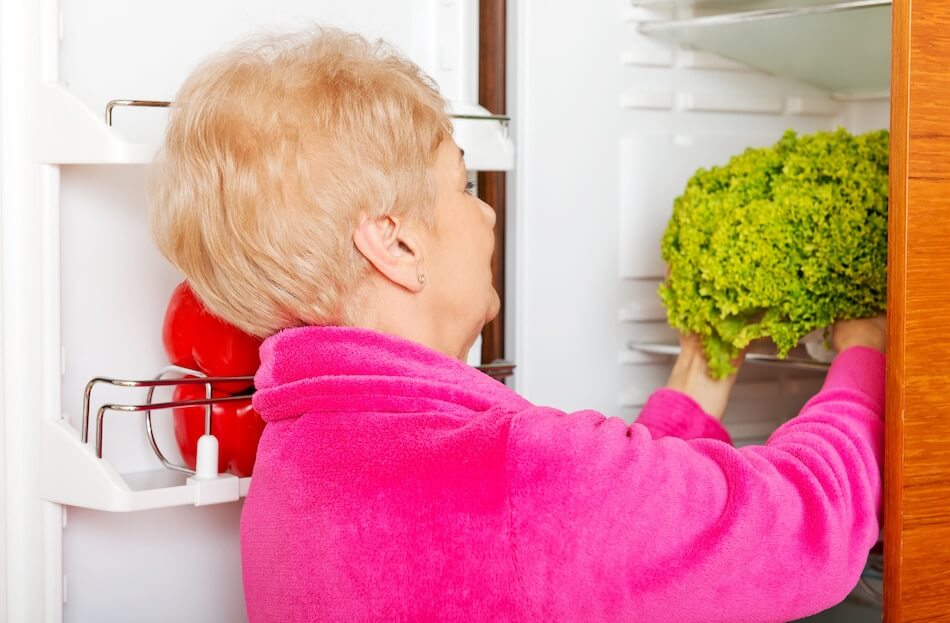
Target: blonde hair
point(272, 150)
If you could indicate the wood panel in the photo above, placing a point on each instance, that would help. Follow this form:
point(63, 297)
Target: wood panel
point(492, 60)
point(917, 441)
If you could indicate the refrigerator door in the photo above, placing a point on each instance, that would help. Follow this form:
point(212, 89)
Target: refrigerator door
point(84, 290)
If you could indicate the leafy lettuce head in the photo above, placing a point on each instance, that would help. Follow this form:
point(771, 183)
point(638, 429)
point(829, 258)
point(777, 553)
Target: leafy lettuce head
point(779, 242)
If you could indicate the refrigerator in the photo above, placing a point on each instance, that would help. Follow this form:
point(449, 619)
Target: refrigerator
point(611, 106)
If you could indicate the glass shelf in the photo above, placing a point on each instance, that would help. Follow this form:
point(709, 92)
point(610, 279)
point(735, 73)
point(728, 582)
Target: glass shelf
point(794, 360)
point(841, 47)
point(713, 7)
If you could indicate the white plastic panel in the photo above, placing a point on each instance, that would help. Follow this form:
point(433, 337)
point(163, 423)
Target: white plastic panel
point(817, 106)
point(726, 101)
point(111, 49)
point(115, 286)
point(154, 567)
point(697, 59)
point(648, 55)
point(436, 35)
point(649, 100)
point(566, 87)
point(646, 198)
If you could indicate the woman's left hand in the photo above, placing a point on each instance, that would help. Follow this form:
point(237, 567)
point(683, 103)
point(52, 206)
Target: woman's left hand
point(691, 376)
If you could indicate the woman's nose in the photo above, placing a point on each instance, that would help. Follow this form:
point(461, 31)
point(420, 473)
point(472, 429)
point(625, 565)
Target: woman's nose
point(489, 214)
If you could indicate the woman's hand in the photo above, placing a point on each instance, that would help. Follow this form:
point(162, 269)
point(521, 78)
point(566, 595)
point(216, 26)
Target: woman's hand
point(869, 332)
point(691, 376)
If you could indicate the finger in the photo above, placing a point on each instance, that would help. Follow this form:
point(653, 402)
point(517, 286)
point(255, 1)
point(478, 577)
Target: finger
point(689, 342)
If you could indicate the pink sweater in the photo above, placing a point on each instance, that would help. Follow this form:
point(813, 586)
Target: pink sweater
point(396, 484)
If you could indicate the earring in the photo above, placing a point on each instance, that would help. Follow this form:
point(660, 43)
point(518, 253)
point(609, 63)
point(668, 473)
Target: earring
point(422, 279)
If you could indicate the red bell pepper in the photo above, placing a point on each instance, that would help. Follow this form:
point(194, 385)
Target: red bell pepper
point(237, 426)
point(195, 338)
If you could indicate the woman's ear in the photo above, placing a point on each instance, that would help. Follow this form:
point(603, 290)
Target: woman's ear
point(392, 248)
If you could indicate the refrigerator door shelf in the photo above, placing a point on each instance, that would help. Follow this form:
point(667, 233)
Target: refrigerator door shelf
point(69, 133)
point(71, 474)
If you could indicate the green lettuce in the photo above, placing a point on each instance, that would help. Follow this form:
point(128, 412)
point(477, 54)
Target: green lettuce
point(779, 242)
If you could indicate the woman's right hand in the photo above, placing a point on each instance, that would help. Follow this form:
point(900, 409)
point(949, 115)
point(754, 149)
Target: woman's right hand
point(690, 376)
point(869, 332)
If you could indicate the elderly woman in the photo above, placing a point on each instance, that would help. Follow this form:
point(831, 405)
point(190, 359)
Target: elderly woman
point(310, 189)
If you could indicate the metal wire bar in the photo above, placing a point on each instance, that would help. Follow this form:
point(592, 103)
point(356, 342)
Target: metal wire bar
point(84, 432)
point(498, 370)
point(158, 405)
point(139, 103)
point(150, 433)
point(503, 119)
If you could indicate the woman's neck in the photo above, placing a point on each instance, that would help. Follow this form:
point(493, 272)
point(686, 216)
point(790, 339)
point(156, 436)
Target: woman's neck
point(404, 314)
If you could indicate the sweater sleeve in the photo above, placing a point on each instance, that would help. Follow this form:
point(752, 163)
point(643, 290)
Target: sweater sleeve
point(674, 414)
point(610, 523)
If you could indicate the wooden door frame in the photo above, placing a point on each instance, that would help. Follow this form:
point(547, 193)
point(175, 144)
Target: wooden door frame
point(917, 427)
point(492, 65)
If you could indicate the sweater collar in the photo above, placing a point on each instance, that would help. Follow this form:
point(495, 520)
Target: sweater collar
point(314, 369)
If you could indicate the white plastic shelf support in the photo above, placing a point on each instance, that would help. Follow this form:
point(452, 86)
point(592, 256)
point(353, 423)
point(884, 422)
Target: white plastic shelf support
point(67, 132)
point(483, 137)
point(71, 474)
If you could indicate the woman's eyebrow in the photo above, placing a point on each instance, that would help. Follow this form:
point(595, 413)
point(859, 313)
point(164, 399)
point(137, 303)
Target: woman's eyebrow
point(461, 154)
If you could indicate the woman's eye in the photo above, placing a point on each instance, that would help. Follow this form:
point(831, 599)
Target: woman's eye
point(469, 187)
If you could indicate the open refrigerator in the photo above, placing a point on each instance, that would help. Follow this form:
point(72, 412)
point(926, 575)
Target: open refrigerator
point(612, 105)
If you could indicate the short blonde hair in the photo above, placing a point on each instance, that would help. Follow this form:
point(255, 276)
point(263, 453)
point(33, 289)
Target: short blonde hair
point(272, 151)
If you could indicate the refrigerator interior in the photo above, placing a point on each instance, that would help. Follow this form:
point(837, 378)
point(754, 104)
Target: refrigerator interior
point(608, 124)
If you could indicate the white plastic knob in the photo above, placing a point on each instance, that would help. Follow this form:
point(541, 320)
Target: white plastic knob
point(207, 461)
